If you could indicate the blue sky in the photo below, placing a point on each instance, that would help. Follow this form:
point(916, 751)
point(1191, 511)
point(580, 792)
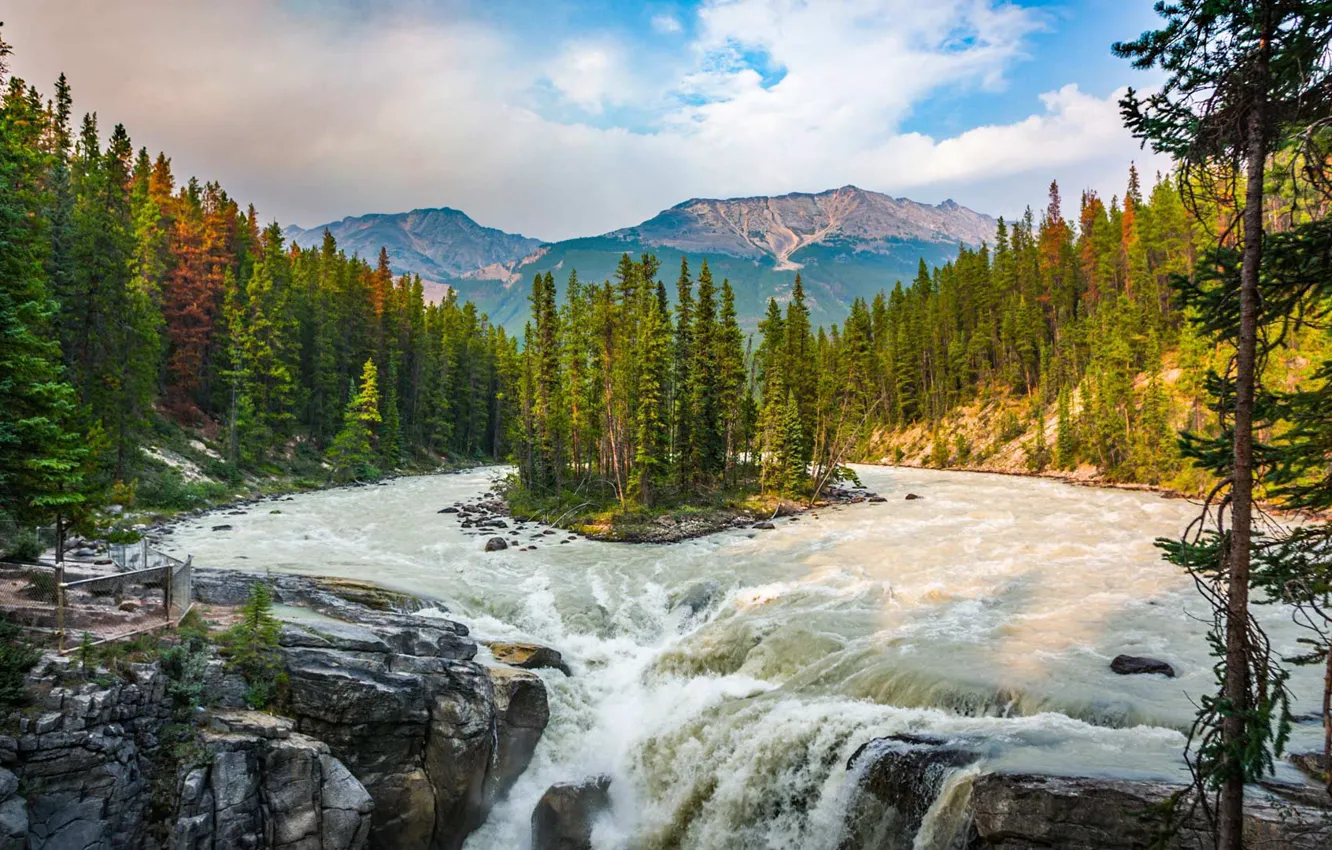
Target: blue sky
point(572, 117)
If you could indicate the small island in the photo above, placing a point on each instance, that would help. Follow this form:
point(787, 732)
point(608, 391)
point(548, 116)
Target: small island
point(640, 421)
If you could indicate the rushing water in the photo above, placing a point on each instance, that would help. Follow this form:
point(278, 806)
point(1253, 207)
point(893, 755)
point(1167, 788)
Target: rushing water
point(989, 609)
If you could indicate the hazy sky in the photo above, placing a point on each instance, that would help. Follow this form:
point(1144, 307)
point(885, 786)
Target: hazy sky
point(558, 119)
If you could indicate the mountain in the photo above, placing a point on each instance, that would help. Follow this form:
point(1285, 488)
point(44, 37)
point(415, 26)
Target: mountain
point(778, 229)
point(438, 244)
point(846, 243)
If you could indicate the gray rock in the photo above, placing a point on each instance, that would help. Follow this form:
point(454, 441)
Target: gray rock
point(1130, 665)
point(699, 597)
point(565, 815)
point(13, 813)
point(522, 711)
point(1024, 812)
point(911, 497)
point(529, 656)
point(496, 544)
point(897, 780)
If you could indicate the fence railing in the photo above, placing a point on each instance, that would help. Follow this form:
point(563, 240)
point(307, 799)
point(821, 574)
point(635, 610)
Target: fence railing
point(77, 609)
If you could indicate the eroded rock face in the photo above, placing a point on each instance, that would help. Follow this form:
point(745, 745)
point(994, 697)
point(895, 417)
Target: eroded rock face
point(565, 815)
point(13, 813)
point(522, 711)
point(400, 701)
point(81, 760)
point(268, 786)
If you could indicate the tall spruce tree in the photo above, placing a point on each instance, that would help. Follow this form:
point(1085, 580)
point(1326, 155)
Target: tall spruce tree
point(1243, 78)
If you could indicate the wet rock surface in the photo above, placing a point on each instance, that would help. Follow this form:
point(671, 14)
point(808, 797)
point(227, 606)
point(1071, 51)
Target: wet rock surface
point(1026, 812)
point(565, 815)
point(1132, 665)
point(529, 656)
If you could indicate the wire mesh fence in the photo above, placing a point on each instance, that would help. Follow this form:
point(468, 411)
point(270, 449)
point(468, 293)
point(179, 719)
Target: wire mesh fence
point(72, 607)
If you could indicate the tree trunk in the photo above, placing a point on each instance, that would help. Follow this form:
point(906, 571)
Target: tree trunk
point(1236, 685)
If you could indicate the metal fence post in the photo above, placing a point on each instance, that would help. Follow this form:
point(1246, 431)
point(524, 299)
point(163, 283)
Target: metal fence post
point(60, 607)
point(166, 592)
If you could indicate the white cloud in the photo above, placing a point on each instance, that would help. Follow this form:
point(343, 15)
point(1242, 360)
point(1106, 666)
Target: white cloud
point(314, 118)
point(666, 24)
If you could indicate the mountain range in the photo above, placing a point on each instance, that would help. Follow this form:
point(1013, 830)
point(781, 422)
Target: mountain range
point(845, 243)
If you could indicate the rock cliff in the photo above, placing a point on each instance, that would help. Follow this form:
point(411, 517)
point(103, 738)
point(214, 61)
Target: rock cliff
point(388, 735)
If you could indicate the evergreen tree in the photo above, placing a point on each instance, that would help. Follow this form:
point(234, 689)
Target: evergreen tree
point(353, 454)
point(1243, 79)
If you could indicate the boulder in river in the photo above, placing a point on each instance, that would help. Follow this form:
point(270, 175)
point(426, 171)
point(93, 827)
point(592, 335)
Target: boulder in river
point(221, 528)
point(496, 544)
point(764, 525)
point(698, 597)
point(529, 656)
point(448, 510)
point(565, 814)
point(911, 497)
point(1131, 665)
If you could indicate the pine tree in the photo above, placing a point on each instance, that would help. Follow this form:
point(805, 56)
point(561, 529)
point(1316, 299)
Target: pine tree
point(1244, 78)
point(41, 455)
point(353, 454)
point(708, 437)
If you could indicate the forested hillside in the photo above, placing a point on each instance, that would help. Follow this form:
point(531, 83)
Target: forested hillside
point(135, 305)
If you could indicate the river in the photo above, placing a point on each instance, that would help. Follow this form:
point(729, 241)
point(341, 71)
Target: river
point(988, 609)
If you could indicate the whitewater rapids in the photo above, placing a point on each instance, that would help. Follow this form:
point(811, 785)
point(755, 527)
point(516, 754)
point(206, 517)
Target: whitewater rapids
point(988, 609)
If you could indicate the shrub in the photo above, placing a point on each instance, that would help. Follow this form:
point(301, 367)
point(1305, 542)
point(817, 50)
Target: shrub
point(23, 545)
point(168, 490)
point(251, 647)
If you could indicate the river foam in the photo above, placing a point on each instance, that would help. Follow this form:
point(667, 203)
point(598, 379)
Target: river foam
point(986, 611)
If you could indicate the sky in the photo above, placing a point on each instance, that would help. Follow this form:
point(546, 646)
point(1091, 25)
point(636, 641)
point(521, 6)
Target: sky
point(563, 118)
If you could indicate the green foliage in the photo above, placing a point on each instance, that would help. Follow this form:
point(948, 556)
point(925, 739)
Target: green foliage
point(22, 545)
point(353, 454)
point(17, 657)
point(251, 646)
point(167, 489)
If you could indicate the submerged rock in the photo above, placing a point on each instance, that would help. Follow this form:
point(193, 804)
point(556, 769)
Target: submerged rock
point(1132, 665)
point(565, 814)
point(529, 656)
point(911, 497)
point(763, 525)
point(699, 597)
point(496, 544)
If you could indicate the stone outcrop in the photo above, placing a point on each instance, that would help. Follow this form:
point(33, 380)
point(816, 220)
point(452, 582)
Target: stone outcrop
point(565, 815)
point(1024, 812)
point(434, 736)
point(343, 599)
point(899, 780)
point(394, 737)
point(529, 656)
point(13, 813)
point(264, 785)
point(80, 756)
